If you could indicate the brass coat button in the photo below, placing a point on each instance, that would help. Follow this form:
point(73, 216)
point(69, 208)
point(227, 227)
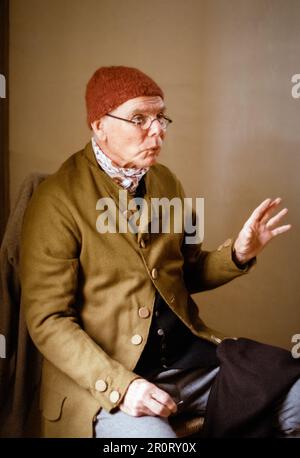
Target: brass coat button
point(100, 385)
point(114, 396)
point(136, 339)
point(154, 273)
point(144, 312)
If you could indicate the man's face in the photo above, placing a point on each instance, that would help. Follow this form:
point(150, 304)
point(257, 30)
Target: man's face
point(127, 144)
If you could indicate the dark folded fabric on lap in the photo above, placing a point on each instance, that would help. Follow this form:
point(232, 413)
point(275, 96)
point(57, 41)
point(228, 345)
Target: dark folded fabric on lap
point(253, 376)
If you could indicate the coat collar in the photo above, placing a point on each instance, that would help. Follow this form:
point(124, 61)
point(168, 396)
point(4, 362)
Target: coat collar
point(151, 188)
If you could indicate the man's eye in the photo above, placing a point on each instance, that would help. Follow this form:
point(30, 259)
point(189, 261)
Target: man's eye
point(138, 119)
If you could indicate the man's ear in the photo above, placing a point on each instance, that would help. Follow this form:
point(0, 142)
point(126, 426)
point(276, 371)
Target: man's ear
point(98, 129)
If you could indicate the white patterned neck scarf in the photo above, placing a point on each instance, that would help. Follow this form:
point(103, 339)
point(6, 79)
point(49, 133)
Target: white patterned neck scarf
point(128, 178)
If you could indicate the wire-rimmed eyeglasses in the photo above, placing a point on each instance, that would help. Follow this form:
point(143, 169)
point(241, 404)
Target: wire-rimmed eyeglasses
point(144, 121)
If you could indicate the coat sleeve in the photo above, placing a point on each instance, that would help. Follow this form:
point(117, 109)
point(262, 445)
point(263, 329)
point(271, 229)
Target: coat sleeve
point(204, 270)
point(49, 264)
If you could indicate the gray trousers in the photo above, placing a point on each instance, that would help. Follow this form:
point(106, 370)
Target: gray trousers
point(190, 390)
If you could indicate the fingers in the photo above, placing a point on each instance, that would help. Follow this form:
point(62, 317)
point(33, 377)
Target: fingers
point(148, 411)
point(281, 229)
point(136, 411)
point(156, 408)
point(263, 211)
point(145, 398)
point(259, 212)
point(275, 220)
point(273, 204)
point(165, 400)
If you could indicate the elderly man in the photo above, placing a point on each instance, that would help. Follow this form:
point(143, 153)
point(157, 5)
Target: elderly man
point(111, 312)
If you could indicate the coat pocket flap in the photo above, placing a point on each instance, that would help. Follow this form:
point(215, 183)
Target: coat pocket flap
point(51, 404)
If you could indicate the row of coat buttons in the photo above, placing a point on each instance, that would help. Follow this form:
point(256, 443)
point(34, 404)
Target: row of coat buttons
point(163, 359)
point(101, 386)
point(144, 312)
point(137, 339)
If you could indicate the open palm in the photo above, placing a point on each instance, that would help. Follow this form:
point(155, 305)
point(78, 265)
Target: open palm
point(259, 229)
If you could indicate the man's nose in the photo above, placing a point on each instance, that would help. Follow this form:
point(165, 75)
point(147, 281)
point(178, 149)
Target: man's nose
point(155, 128)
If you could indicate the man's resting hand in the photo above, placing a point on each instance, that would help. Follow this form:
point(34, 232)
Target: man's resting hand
point(144, 398)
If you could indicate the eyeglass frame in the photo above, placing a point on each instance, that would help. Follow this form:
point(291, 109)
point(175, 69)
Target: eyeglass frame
point(169, 121)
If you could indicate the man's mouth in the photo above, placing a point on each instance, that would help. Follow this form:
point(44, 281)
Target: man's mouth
point(155, 149)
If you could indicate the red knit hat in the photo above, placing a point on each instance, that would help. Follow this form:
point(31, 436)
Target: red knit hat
point(109, 87)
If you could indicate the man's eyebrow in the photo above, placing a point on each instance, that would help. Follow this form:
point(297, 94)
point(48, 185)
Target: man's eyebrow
point(141, 110)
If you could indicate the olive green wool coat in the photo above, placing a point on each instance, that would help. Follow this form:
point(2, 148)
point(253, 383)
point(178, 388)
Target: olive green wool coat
point(82, 290)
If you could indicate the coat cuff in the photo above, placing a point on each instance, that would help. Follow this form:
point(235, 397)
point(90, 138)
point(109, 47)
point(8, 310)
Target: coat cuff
point(232, 263)
point(111, 391)
point(246, 266)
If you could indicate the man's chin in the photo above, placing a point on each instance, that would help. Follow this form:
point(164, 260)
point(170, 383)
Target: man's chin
point(150, 158)
point(153, 155)
point(153, 159)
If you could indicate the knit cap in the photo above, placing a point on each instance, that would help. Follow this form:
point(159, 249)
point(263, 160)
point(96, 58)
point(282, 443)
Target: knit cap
point(109, 87)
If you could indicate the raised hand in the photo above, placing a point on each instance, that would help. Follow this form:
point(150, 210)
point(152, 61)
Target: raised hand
point(259, 229)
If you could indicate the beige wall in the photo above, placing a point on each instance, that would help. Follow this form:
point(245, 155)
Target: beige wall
point(226, 69)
